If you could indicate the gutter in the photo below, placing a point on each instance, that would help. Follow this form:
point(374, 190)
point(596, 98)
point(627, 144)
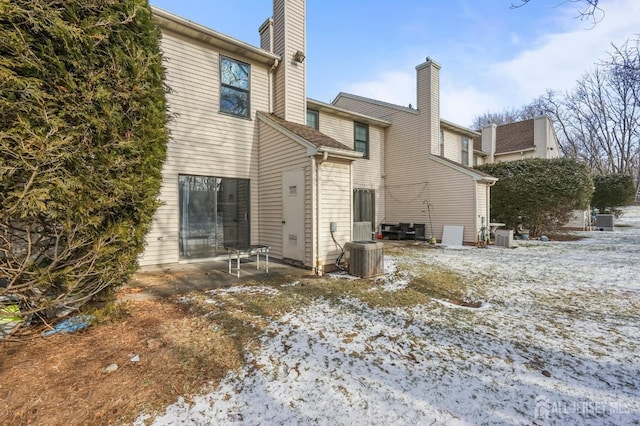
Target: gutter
point(319, 268)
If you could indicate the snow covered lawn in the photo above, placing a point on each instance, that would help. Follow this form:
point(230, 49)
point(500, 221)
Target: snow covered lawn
point(556, 341)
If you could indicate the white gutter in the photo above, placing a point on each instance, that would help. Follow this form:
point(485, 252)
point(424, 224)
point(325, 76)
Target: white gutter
point(517, 151)
point(271, 70)
point(319, 268)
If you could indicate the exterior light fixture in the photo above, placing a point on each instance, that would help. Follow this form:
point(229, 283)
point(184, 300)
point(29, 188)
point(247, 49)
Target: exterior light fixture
point(298, 56)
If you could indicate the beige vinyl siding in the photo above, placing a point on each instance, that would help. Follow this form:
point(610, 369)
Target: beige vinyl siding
point(413, 179)
point(482, 206)
point(406, 151)
point(203, 141)
point(500, 158)
point(279, 46)
point(367, 173)
point(339, 128)
point(452, 146)
point(335, 202)
point(544, 138)
point(428, 96)
point(453, 200)
point(278, 153)
point(296, 80)
point(290, 81)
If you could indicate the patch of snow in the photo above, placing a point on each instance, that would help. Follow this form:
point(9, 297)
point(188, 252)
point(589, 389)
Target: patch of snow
point(557, 343)
point(293, 284)
point(341, 275)
point(267, 291)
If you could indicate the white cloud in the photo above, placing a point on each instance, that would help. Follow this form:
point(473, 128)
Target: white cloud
point(476, 85)
point(557, 60)
point(462, 104)
point(396, 87)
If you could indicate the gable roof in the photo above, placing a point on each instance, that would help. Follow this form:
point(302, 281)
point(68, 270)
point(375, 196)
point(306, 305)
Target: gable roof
point(312, 139)
point(374, 102)
point(511, 137)
point(477, 175)
point(345, 113)
point(514, 137)
point(465, 131)
point(171, 22)
point(477, 144)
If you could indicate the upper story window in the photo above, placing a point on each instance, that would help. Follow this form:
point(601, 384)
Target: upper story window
point(361, 136)
point(234, 87)
point(441, 143)
point(313, 119)
point(465, 151)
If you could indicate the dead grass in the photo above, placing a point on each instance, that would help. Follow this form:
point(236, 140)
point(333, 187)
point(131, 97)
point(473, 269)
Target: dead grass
point(185, 345)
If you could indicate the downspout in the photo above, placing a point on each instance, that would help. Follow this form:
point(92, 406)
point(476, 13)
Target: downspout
point(271, 91)
point(319, 269)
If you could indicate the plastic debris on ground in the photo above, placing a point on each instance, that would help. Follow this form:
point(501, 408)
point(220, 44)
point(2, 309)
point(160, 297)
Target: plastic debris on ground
point(9, 319)
point(70, 325)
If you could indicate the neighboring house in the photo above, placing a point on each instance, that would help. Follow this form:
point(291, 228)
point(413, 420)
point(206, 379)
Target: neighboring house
point(533, 138)
point(251, 160)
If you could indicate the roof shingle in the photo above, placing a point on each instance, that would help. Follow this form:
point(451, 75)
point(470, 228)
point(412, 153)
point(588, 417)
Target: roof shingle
point(309, 134)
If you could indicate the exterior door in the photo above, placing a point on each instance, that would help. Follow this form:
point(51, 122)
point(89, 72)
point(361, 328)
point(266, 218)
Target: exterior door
point(293, 197)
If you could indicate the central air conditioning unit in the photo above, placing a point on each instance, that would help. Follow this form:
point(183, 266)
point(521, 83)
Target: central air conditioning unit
point(504, 238)
point(362, 231)
point(366, 258)
point(604, 222)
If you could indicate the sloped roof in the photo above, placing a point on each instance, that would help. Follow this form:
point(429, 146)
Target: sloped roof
point(311, 138)
point(510, 137)
point(514, 136)
point(477, 144)
point(477, 174)
point(171, 22)
point(352, 115)
point(311, 135)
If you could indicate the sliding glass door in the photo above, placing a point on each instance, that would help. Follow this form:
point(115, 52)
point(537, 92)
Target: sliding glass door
point(214, 214)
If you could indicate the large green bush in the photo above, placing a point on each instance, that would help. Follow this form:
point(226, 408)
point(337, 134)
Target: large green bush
point(613, 190)
point(537, 193)
point(82, 141)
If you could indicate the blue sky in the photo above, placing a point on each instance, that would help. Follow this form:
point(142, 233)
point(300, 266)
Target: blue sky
point(493, 57)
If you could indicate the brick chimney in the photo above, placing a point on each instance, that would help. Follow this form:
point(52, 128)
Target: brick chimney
point(289, 41)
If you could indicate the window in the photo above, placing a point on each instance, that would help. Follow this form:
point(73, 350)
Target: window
point(313, 119)
point(234, 87)
point(364, 202)
point(361, 132)
point(214, 214)
point(441, 143)
point(465, 151)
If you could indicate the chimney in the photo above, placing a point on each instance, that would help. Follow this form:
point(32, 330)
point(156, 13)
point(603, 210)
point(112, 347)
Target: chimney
point(489, 141)
point(266, 35)
point(289, 41)
point(428, 97)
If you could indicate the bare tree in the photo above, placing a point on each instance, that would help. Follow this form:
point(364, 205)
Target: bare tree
point(507, 116)
point(590, 11)
point(598, 122)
